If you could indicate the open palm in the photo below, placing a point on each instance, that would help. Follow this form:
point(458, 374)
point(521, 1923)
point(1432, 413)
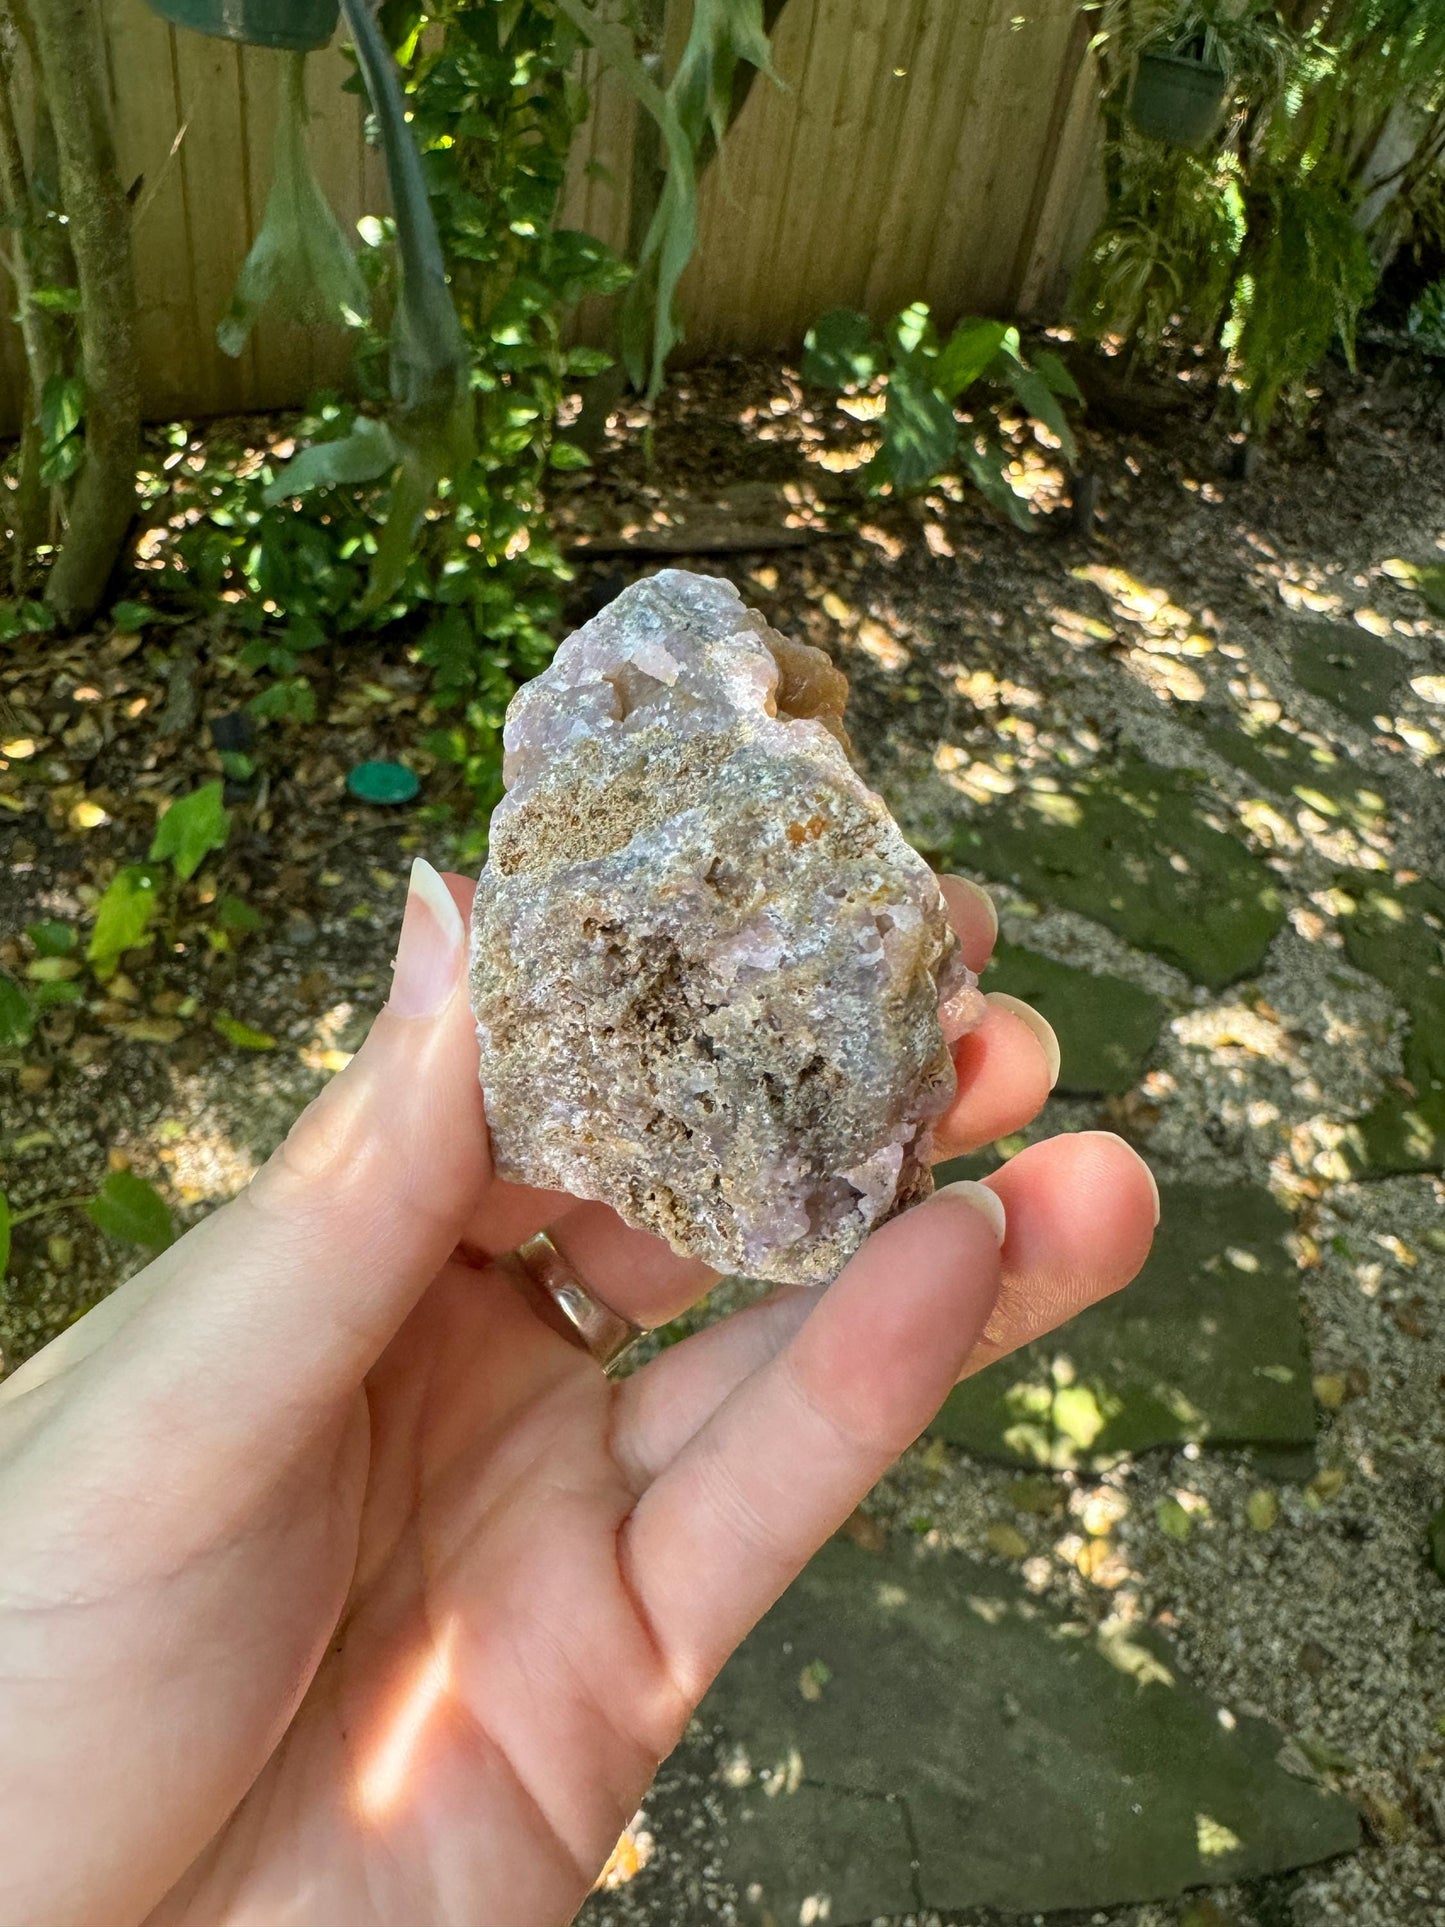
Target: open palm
point(358, 1595)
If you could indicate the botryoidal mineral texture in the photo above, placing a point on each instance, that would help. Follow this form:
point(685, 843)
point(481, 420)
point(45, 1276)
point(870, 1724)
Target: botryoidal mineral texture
point(714, 987)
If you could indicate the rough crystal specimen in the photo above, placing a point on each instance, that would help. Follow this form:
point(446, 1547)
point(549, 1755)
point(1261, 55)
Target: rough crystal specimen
point(714, 987)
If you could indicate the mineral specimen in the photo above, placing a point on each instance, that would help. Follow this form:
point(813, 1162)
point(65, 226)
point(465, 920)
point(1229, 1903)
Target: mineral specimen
point(714, 987)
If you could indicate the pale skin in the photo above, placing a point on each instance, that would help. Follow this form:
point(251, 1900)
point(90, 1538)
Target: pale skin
point(335, 1587)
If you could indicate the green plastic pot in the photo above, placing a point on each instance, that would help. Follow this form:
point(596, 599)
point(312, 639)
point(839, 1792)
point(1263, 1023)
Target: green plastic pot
point(300, 26)
point(1177, 98)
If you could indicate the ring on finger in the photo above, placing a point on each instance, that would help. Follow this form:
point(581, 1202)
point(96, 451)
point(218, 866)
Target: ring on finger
point(561, 1299)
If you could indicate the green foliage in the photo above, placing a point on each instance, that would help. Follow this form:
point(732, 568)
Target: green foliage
point(128, 1208)
point(470, 582)
point(139, 893)
point(1303, 276)
point(301, 267)
point(62, 444)
point(191, 828)
point(1165, 257)
point(17, 1017)
point(694, 104)
point(24, 618)
point(4, 1233)
point(124, 916)
point(242, 1035)
point(52, 938)
point(923, 436)
point(131, 617)
point(1427, 319)
point(1267, 248)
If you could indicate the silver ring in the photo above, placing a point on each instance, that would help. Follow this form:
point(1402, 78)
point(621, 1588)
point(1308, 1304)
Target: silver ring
point(561, 1299)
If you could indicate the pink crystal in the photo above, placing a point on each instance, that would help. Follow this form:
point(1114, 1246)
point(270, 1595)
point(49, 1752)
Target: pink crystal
point(714, 987)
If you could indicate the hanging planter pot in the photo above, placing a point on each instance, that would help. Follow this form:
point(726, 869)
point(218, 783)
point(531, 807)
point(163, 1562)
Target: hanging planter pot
point(300, 26)
point(1179, 94)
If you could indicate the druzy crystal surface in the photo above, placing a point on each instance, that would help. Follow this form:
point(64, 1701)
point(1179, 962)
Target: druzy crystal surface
point(714, 987)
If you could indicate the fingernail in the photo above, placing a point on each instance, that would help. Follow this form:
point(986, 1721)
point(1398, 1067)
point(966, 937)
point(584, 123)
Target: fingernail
point(981, 1198)
point(1114, 1138)
point(430, 950)
point(1042, 1029)
point(980, 896)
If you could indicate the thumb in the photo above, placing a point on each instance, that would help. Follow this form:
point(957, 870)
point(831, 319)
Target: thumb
point(287, 1295)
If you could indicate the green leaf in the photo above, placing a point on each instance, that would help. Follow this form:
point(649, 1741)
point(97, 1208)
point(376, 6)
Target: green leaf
point(1173, 1519)
point(435, 421)
point(290, 701)
point(235, 1032)
point(123, 916)
point(840, 350)
point(1041, 402)
point(52, 970)
point(128, 1208)
point(920, 434)
point(4, 1233)
point(567, 455)
point(191, 828)
point(1261, 1508)
point(47, 996)
point(56, 300)
point(1430, 582)
point(584, 362)
point(62, 403)
point(62, 462)
point(17, 1019)
point(668, 244)
point(52, 938)
point(131, 617)
point(365, 455)
point(238, 916)
point(301, 267)
point(965, 355)
point(1057, 375)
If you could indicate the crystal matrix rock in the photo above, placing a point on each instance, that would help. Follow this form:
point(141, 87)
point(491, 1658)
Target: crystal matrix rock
point(714, 987)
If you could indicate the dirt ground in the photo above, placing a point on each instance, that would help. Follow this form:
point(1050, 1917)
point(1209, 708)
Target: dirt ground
point(980, 660)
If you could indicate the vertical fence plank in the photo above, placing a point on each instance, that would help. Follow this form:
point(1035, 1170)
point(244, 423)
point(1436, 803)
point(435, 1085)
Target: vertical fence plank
point(943, 149)
point(215, 172)
point(147, 129)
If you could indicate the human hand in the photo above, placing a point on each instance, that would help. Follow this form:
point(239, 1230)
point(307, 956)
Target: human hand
point(335, 1587)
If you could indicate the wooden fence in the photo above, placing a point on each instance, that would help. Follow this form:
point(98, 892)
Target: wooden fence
point(942, 149)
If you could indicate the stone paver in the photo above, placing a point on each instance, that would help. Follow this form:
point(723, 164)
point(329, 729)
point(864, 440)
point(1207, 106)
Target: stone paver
point(1106, 1028)
point(1360, 674)
point(1206, 1344)
point(1127, 844)
point(1397, 933)
point(904, 1731)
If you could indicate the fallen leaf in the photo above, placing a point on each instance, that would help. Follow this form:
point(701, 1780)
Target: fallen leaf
point(152, 1030)
point(128, 1208)
point(235, 1032)
point(1331, 1390)
point(1262, 1508)
point(1007, 1541)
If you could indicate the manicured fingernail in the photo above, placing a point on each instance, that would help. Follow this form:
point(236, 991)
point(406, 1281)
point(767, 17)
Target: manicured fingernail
point(981, 1198)
point(980, 896)
point(1114, 1138)
point(430, 951)
point(1042, 1029)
